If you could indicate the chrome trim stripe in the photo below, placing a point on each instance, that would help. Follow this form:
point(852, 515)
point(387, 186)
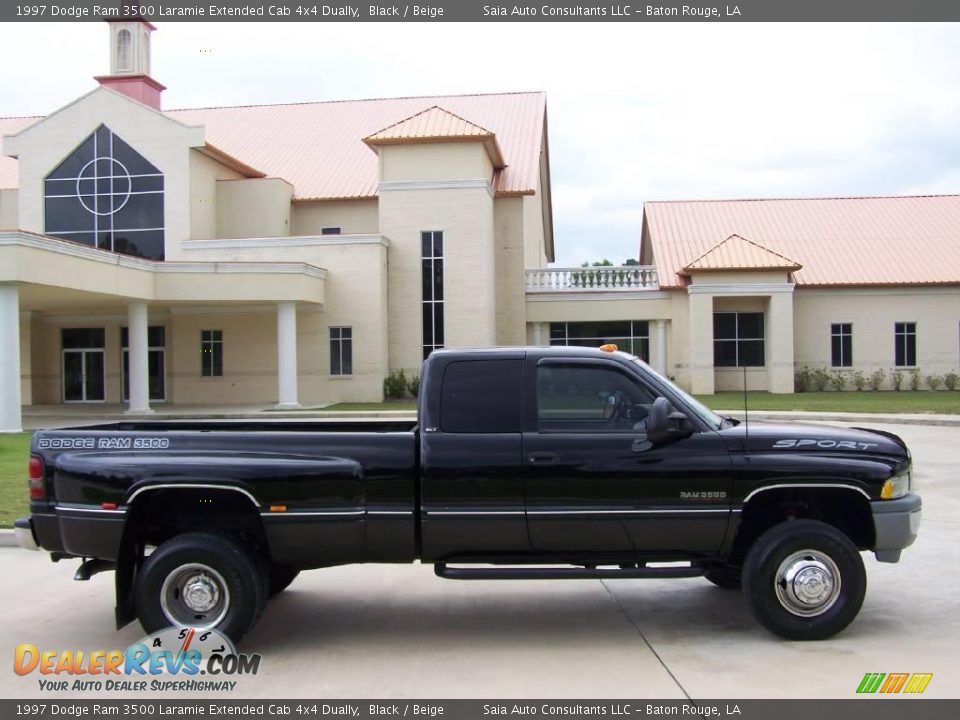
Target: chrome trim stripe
point(180, 486)
point(807, 485)
point(89, 509)
point(314, 513)
point(473, 512)
point(628, 512)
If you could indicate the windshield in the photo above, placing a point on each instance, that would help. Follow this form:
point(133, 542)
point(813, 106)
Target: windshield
point(702, 411)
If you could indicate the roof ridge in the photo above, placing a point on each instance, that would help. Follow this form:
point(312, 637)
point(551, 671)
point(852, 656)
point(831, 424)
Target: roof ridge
point(819, 197)
point(354, 100)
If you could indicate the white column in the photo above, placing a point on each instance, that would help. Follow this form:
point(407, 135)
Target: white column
point(287, 354)
point(9, 359)
point(540, 334)
point(138, 369)
point(701, 342)
point(660, 347)
point(780, 346)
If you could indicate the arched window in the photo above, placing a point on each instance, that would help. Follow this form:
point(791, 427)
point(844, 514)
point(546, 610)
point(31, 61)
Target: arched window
point(124, 50)
point(107, 195)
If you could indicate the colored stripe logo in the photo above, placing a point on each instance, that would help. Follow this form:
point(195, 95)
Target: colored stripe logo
point(891, 683)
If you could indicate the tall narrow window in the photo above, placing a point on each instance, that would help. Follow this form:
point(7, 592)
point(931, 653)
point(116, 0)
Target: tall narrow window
point(432, 276)
point(341, 351)
point(905, 344)
point(211, 353)
point(841, 344)
point(738, 339)
point(124, 50)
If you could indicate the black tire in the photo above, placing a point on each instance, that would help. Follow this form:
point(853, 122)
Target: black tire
point(727, 577)
point(280, 578)
point(208, 561)
point(811, 610)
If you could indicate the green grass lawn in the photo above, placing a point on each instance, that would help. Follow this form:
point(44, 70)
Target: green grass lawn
point(14, 454)
point(371, 406)
point(906, 401)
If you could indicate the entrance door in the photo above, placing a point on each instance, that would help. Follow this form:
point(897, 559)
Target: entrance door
point(83, 364)
point(156, 363)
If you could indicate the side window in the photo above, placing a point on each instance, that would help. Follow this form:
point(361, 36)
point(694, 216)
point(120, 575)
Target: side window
point(481, 396)
point(575, 398)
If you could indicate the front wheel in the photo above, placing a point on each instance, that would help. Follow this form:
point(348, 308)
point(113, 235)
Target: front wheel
point(200, 580)
point(804, 580)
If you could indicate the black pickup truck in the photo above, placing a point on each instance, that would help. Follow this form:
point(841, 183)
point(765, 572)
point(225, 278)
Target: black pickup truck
point(523, 463)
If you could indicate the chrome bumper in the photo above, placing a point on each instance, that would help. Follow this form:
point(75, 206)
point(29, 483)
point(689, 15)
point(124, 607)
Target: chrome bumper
point(896, 524)
point(23, 531)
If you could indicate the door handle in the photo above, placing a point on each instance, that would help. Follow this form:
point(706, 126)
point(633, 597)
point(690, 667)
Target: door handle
point(543, 458)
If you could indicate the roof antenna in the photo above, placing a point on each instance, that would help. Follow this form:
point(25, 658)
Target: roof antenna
point(746, 416)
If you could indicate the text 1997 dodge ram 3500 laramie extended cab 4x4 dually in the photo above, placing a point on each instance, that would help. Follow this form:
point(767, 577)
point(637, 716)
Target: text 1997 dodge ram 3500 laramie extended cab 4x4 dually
point(523, 463)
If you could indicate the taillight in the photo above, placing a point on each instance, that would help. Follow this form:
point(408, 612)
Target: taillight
point(37, 489)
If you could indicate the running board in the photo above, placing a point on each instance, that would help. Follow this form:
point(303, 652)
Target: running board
point(563, 573)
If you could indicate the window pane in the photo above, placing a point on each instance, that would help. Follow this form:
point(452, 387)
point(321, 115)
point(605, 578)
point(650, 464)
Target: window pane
point(846, 342)
point(724, 326)
point(751, 353)
point(347, 357)
point(481, 396)
point(438, 244)
point(750, 325)
point(426, 244)
point(587, 397)
point(438, 279)
point(83, 337)
point(438, 325)
point(558, 333)
point(218, 359)
point(335, 368)
point(724, 353)
point(836, 351)
point(426, 277)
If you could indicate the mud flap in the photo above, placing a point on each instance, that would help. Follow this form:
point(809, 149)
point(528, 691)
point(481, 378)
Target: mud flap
point(125, 575)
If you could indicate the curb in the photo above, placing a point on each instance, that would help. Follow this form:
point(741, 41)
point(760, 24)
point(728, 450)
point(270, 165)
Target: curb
point(7, 538)
point(870, 418)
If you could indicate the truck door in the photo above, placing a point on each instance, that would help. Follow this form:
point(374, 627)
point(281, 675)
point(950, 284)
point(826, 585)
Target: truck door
point(595, 484)
point(471, 484)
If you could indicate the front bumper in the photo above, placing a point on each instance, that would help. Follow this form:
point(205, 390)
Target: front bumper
point(23, 531)
point(896, 524)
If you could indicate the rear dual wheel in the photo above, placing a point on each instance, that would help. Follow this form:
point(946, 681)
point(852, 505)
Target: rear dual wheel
point(201, 580)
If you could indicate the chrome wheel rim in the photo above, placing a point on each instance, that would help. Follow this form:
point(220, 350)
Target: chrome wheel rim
point(807, 583)
point(194, 595)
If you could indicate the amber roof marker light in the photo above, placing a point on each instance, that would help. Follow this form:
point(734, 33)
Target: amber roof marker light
point(609, 347)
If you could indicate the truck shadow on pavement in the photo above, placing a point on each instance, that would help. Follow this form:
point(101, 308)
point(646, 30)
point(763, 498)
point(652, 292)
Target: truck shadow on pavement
point(521, 613)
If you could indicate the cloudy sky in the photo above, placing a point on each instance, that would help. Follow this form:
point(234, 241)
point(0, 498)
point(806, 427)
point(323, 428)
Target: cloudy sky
point(637, 112)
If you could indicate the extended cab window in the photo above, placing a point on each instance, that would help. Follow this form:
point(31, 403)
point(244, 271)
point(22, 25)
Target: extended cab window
point(481, 396)
point(590, 398)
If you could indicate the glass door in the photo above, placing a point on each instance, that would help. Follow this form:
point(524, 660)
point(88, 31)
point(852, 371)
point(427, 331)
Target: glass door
point(83, 364)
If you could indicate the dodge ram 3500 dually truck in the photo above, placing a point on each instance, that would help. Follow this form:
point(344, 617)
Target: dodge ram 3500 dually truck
point(523, 463)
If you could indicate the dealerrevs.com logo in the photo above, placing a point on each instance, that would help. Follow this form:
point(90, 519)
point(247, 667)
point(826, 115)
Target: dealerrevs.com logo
point(894, 683)
point(175, 659)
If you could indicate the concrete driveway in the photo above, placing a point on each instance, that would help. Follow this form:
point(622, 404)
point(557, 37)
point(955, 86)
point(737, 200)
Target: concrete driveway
point(398, 631)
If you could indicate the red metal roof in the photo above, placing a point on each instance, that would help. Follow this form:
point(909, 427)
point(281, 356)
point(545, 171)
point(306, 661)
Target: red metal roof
point(318, 147)
point(838, 241)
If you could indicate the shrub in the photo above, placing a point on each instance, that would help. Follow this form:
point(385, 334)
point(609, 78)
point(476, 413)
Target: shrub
point(819, 379)
point(859, 380)
point(875, 381)
point(838, 381)
point(801, 379)
point(896, 378)
point(395, 385)
point(951, 380)
point(915, 379)
point(414, 385)
point(934, 381)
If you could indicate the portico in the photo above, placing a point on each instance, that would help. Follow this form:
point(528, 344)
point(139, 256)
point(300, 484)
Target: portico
point(59, 340)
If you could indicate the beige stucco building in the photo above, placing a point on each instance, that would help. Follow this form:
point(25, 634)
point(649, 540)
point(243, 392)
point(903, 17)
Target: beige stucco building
point(296, 254)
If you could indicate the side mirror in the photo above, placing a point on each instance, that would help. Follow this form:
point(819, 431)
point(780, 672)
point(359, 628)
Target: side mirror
point(665, 423)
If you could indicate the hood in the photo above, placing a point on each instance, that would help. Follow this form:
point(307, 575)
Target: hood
point(801, 437)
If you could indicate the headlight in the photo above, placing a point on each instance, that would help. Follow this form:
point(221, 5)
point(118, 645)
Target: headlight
point(897, 486)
